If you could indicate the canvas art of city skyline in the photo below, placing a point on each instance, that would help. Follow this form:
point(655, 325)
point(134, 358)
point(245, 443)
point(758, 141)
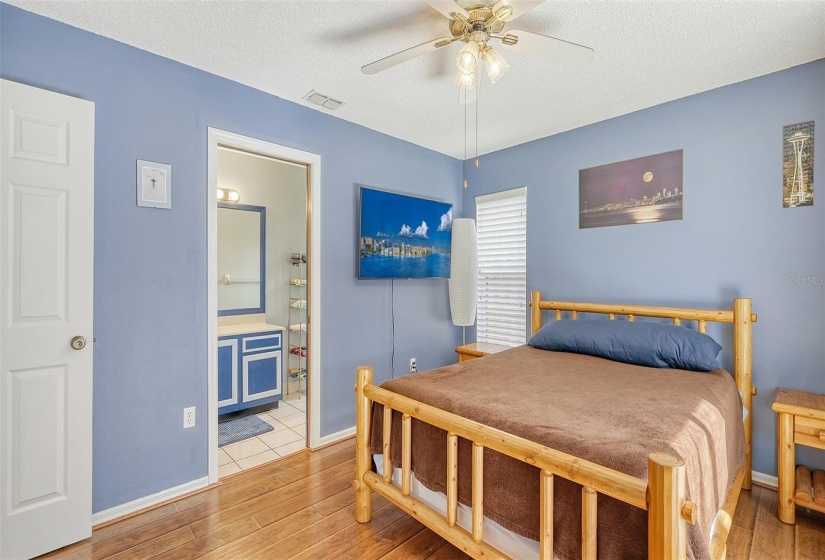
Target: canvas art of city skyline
point(637, 191)
point(798, 165)
point(403, 236)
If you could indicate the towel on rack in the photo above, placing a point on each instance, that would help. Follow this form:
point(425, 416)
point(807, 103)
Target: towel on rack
point(298, 327)
point(299, 304)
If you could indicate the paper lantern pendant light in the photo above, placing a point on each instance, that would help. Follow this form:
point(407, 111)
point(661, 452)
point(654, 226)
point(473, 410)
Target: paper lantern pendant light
point(464, 272)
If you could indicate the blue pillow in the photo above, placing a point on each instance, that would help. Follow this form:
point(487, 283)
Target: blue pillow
point(642, 343)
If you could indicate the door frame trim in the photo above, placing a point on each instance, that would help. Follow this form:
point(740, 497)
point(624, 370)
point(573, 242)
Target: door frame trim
point(215, 138)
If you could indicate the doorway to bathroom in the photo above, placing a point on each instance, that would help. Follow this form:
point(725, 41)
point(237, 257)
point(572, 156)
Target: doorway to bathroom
point(262, 290)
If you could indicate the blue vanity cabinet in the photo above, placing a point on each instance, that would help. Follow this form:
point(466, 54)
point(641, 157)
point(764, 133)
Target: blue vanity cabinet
point(228, 374)
point(261, 368)
point(250, 370)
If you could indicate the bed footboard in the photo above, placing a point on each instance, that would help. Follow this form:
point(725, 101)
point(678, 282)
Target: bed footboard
point(663, 495)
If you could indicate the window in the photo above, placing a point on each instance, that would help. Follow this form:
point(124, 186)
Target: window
point(501, 219)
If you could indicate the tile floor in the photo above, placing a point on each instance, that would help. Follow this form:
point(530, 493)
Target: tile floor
point(289, 435)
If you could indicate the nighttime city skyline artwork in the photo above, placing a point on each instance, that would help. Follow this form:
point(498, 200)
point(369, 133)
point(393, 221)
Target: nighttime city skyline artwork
point(637, 191)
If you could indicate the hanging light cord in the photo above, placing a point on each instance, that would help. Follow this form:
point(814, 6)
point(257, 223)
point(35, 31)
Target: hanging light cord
point(465, 125)
point(392, 308)
point(478, 101)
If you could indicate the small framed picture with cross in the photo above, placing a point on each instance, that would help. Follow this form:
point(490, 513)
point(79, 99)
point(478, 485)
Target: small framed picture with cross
point(154, 184)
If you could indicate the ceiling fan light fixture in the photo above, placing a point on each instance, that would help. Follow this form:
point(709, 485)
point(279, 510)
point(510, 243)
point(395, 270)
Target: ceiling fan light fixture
point(465, 81)
point(495, 64)
point(467, 60)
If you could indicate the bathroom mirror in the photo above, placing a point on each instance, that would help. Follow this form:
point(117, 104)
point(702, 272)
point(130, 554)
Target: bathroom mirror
point(241, 240)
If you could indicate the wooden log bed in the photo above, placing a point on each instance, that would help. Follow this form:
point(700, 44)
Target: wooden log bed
point(663, 494)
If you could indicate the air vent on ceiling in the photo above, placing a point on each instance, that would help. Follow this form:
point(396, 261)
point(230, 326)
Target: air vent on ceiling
point(323, 100)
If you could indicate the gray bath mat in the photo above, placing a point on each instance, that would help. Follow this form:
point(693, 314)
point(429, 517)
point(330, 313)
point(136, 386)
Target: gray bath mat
point(239, 429)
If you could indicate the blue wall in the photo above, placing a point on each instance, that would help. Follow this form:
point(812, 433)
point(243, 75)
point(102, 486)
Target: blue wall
point(150, 265)
point(735, 239)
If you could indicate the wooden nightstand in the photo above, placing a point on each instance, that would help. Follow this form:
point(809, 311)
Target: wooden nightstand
point(478, 350)
point(801, 422)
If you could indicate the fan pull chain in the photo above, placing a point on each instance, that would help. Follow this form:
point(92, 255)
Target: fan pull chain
point(478, 101)
point(465, 130)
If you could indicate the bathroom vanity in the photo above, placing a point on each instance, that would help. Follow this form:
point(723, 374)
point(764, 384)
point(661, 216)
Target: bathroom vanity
point(250, 350)
point(250, 363)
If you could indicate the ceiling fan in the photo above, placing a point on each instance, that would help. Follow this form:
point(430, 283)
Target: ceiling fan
point(477, 24)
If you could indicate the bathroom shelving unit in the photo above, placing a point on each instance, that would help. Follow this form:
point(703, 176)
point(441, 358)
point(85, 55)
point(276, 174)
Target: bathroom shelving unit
point(297, 337)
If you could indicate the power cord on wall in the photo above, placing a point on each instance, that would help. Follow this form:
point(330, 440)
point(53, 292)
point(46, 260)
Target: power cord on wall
point(392, 308)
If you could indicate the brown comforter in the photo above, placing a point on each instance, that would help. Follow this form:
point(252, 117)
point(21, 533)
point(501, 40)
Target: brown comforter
point(611, 413)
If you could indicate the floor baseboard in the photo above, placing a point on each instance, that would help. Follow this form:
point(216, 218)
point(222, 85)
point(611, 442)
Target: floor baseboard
point(765, 480)
point(336, 437)
point(146, 502)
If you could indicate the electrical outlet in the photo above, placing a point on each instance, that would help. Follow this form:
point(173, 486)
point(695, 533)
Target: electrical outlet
point(413, 367)
point(189, 417)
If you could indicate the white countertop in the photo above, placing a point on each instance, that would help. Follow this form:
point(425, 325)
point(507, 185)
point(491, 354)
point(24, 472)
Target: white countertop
point(249, 328)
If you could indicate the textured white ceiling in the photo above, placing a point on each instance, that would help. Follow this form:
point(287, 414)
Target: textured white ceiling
point(647, 53)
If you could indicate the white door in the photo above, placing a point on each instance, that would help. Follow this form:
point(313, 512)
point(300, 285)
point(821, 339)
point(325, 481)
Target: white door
point(46, 266)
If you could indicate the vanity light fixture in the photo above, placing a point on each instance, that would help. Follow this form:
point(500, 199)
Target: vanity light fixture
point(228, 195)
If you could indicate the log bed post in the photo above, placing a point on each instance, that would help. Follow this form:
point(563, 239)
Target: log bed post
point(667, 489)
point(742, 370)
point(363, 462)
point(535, 309)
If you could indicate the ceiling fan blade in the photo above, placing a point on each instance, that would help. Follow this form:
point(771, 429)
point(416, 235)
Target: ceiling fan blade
point(519, 7)
point(405, 55)
point(446, 7)
point(552, 49)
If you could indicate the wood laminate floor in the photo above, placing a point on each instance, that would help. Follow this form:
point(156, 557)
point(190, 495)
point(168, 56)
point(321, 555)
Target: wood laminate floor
point(301, 507)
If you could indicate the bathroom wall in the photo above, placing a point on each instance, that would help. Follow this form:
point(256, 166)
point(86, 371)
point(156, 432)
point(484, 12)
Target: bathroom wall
point(282, 189)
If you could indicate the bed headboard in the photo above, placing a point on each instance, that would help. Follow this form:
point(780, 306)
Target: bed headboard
point(741, 316)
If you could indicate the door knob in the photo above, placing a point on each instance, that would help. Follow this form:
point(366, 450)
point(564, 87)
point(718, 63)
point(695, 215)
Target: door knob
point(78, 342)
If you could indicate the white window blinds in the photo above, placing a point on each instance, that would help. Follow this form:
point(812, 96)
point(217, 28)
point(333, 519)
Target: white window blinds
point(501, 219)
